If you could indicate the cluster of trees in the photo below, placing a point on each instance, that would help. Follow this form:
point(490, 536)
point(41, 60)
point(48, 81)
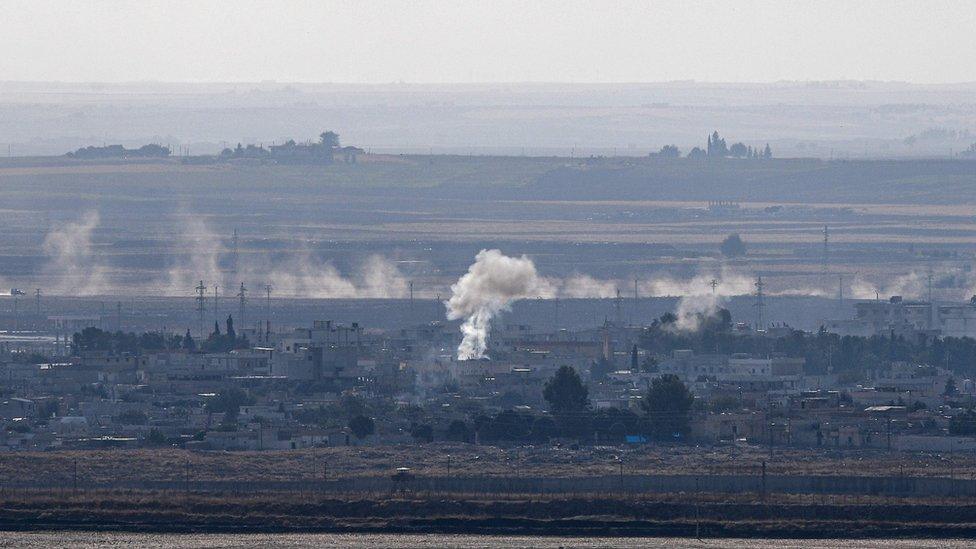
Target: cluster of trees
point(717, 148)
point(320, 152)
point(733, 246)
point(118, 151)
point(95, 339)
point(220, 342)
point(822, 351)
point(666, 414)
point(351, 411)
point(229, 403)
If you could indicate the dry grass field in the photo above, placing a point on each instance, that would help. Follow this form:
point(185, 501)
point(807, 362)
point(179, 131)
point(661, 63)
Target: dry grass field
point(106, 466)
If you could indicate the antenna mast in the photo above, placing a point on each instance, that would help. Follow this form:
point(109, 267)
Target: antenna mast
point(267, 324)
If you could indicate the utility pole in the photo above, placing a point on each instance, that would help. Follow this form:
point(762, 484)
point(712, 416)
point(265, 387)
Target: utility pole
point(636, 302)
point(411, 300)
point(37, 300)
point(888, 429)
point(267, 323)
point(216, 311)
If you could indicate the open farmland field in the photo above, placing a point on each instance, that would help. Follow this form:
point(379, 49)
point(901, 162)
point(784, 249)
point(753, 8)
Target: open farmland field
point(613, 219)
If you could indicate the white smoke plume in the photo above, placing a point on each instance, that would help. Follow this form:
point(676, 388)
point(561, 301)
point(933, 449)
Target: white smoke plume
point(71, 258)
point(581, 286)
point(302, 275)
point(198, 252)
point(77, 270)
point(493, 282)
point(701, 296)
point(912, 286)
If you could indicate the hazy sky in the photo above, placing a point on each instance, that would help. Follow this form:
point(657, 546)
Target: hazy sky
point(494, 41)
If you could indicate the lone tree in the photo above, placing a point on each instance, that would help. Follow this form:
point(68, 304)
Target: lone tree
point(667, 405)
point(565, 391)
point(950, 387)
point(733, 246)
point(362, 426)
point(329, 139)
point(669, 151)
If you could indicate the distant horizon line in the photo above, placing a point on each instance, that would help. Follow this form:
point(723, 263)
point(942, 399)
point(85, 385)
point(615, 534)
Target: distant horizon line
point(786, 82)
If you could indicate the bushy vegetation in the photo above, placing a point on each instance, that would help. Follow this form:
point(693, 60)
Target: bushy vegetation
point(850, 354)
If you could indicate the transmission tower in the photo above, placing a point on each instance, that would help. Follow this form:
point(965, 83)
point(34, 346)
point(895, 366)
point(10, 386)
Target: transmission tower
point(234, 258)
point(760, 304)
point(37, 300)
point(216, 312)
point(617, 303)
point(411, 300)
point(713, 284)
point(201, 303)
point(242, 295)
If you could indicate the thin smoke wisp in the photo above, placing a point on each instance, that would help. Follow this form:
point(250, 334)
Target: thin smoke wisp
point(701, 296)
point(72, 258)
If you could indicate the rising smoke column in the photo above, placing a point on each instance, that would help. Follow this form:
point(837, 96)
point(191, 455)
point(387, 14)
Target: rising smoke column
point(490, 286)
point(71, 257)
point(699, 299)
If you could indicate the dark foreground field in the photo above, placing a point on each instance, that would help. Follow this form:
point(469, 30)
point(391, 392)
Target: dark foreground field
point(701, 515)
point(464, 489)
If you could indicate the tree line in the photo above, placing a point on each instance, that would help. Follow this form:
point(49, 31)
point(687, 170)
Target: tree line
point(716, 147)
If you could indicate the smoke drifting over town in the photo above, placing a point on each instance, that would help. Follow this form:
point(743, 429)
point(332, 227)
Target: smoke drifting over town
point(296, 274)
point(493, 282)
point(76, 267)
